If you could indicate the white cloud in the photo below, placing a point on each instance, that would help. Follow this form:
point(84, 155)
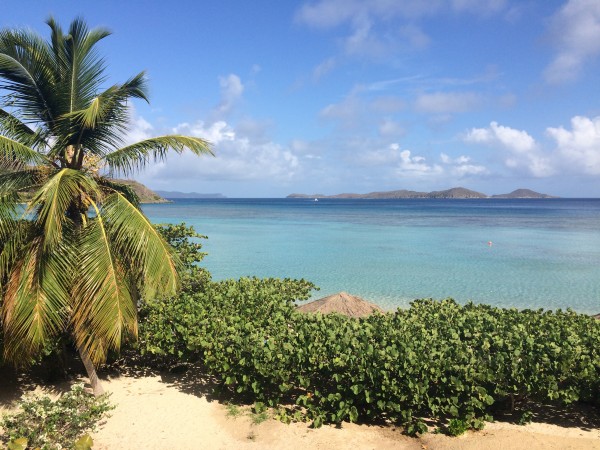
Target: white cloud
point(576, 31)
point(387, 104)
point(231, 90)
point(383, 156)
point(447, 102)
point(216, 133)
point(324, 68)
point(347, 110)
point(523, 151)
point(461, 166)
point(416, 166)
point(518, 141)
point(138, 129)
point(238, 158)
point(332, 13)
point(362, 42)
point(415, 36)
point(357, 110)
point(374, 29)
point(389, 127)
point(579, 149)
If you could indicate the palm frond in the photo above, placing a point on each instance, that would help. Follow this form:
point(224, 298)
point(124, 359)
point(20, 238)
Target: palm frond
point(9, 203)
point(11, 126)
point(109, 186)
point(102, 123)
point(134, 157)
point(14, 235)
point(19, 181)
point(26, 71)
point(104, 302)
point(54, 199)
point(86, 68)
point(134, 236)
point(35, 303)
point(15, 155)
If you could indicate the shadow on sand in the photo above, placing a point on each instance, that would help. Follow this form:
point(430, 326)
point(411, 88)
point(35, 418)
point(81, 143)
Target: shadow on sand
point(193, 379)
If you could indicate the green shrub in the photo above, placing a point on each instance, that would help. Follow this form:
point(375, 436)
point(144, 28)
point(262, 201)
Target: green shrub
point(456, 427)
point(436, 359)
point(49, 425)
point(185, 242)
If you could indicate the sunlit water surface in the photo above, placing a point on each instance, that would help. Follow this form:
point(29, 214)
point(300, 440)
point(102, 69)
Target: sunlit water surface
point(522, 253)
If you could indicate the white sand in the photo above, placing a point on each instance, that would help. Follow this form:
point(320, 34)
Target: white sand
point(155, 414)
point(152, 414)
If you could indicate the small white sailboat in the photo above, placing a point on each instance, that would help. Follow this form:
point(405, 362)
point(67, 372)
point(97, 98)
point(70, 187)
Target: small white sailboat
point(316, 199)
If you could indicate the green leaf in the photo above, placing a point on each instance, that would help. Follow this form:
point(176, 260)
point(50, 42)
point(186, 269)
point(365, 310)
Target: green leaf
point(17, 444)
point(85, 442)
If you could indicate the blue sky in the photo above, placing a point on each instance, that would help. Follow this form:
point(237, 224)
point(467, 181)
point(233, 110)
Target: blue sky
point(332, 96)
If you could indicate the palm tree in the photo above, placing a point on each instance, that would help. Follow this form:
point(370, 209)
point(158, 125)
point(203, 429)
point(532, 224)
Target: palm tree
point(81, 254)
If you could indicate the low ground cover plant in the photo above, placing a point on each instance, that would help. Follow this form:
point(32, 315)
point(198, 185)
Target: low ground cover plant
point(41, 422)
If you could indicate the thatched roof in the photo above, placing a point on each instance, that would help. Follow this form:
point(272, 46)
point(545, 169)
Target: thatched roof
point(342, 303)
point(597, 316)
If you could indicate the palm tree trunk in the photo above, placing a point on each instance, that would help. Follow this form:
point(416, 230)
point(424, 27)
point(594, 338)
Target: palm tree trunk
point(91, 372)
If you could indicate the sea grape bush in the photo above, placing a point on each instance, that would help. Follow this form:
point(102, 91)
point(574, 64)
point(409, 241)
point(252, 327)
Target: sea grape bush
point(186, 244)
point(435, 359)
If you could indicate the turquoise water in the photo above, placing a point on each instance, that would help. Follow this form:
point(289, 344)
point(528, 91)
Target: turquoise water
point(544, 253)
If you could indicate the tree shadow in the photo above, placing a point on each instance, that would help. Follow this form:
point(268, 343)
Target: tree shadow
point(15, 383)
point(576, 415)
point(190, 378)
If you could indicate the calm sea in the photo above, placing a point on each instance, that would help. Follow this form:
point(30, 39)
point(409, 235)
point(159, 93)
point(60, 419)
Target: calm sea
point(522, 253)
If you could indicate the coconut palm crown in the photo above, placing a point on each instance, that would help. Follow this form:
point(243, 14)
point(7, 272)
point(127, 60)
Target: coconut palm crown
point(80, 254)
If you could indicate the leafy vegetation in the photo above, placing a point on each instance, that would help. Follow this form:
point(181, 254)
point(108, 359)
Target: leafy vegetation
point(436, 359)
point(456, 427)
point(82, 253)
point(47, 424)
point(188, 248)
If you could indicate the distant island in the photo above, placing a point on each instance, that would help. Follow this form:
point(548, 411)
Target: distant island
point(177, 194)
point(147, 195)
point(456, 193)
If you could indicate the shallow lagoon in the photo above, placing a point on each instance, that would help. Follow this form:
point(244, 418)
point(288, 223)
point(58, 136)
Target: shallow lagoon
point(543, 253)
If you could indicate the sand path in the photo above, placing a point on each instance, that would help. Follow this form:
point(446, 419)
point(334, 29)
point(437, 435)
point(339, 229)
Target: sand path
point(158, 412)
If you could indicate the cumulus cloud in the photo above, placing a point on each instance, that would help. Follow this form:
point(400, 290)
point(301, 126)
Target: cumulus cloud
point(518, 141)
point(447, 102)
point(138, 128)
point(390, 156)
point(387, 155)
point(579, 148)
point(462, 166)
point(522, 150)
point(237, 158)
point(416, 166)
point(576, 31)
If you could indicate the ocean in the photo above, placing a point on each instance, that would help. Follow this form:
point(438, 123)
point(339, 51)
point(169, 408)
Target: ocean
point(542, 253)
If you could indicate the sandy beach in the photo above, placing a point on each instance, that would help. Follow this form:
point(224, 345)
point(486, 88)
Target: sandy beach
point(167, 411)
